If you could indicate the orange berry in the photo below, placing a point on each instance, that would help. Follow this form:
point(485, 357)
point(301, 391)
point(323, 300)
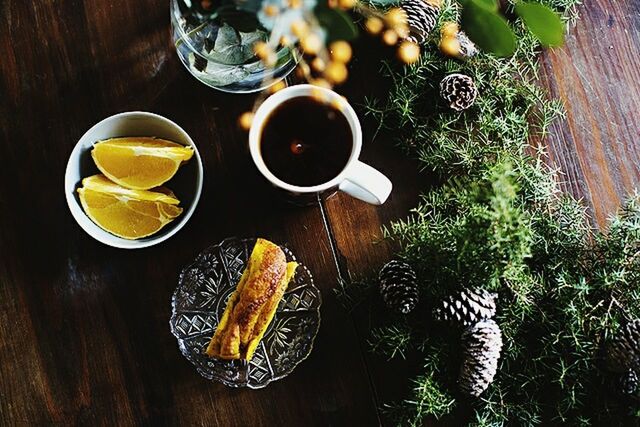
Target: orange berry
point(408, 52)
point(245, 120)
point(341, 51)
point(299, 28)
point(303, 70)
point(390, 37)
point(261, 49)
point(374, 25)
point(311, 43)
point(265, 52)
point(449, 29)
point(396, 17)
point(318, 64)
point(285, 41)
point(271, 10)
point(336, 72)
point(450, 46)
point(338, 103)
point(347, 4)
point(277, 86)
point(402, 31)
point(320, 83)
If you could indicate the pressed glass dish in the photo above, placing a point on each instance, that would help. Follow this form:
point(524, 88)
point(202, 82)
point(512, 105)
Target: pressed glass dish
point(201, 297)
point(219, 53)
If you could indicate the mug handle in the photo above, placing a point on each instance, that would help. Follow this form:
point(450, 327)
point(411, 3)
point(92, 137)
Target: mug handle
point(366, 183)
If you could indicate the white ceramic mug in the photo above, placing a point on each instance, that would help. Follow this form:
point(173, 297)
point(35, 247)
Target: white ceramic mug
point(356, 179)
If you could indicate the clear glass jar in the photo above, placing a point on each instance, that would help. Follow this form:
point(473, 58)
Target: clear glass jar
point(216, 46)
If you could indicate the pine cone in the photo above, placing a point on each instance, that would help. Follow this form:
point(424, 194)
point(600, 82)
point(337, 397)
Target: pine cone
point(399, 286)
point(629, 383)
point(467, 47)
point(422, 17)
point(467, 307)
point(459, 91)
point(482, 344)
point(623, 352)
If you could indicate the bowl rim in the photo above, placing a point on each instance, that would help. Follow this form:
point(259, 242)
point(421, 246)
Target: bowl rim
point(103, 236)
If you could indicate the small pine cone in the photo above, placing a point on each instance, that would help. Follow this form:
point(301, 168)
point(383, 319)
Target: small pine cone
point(623, 352)
point(467, 307)
point(482, 344)
point(459, 91)
point(399, 286)
point(629, 383)
point(422, 17)
point(468, 48)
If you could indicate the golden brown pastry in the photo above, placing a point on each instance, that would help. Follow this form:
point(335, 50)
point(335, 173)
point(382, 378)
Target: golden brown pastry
point(253, 305)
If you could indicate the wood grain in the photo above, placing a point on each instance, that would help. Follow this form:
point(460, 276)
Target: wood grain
point(84, 334)
point(596, 75)
point(84, 327)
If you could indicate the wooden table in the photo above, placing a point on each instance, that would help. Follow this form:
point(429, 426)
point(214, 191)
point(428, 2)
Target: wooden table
point(84, 334)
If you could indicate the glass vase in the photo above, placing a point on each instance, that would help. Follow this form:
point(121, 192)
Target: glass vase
point(216, 45)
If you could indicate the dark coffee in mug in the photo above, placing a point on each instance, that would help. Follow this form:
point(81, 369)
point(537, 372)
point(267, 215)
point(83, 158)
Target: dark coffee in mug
point(305, 141)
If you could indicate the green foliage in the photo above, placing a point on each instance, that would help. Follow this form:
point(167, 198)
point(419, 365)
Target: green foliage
point(429, 400)
point(497, 220)
point(542, 22)
point(487, 28)
point(391, 340)
point(337, 24)
point(485, 25)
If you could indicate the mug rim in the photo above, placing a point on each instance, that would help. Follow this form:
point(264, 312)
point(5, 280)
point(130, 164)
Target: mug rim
point(299, 91)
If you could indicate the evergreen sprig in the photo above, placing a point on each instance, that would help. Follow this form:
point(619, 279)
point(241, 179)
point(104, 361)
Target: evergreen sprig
point(498, 221)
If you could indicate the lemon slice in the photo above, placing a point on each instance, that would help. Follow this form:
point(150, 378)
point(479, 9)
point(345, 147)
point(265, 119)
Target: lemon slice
point(126, 213)
point(139, 163)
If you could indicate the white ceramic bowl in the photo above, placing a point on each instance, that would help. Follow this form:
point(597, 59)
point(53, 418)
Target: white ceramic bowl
point(186, 184)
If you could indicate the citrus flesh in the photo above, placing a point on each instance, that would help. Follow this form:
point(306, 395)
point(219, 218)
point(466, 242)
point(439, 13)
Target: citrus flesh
point(139, 163)
point(126, 213)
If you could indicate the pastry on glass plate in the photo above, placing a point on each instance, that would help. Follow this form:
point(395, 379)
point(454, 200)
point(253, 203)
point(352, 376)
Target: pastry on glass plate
point(251, 308)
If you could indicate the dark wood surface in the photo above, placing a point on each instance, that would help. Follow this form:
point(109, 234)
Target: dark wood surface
point(84, 334)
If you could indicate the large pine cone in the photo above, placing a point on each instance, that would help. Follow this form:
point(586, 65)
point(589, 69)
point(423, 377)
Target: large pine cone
point(467, 307)
point(399, 286)
point(482, 344)
point(422, 17)
point(459, 91)
point(623, 352)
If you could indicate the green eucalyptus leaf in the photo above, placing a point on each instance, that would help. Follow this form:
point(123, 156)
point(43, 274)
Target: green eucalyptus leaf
point(488, 29)
point(490, 5)
point(543, 22)
point(337, 23)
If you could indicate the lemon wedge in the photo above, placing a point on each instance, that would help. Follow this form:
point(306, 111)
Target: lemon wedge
point(139, 163)
point(130, 214)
